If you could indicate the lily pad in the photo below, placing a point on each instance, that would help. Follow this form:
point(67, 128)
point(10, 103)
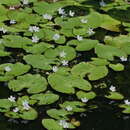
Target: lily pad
point(34, 83)
point(115, 96)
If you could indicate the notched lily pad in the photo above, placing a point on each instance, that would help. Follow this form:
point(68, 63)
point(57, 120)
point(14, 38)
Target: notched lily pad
point(115, 96)
point(34, 83)
point(45, 99)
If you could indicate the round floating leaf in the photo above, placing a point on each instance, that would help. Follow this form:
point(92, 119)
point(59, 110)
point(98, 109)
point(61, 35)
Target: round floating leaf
point(87, 95)
point(37, 48)
point(51, 124)
point(29, 115)
point(108, 52)
point(93, 72)
point(70, 52)
point(115, 96)
point(126, 108)
point(14, 70)
point(45, 99)
point(86, 45)
point(67, 83)
point(60, 114)
point(16, 41)
point(75, 105)
point(117, 67)
point(33, 83)
point(40, 61)
point(5, 105)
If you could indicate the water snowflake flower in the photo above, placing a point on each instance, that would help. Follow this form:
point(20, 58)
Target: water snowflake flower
point(12, 21)
point(25, 2)
point(102, 3)
point(12, 99)
point(71, 13)
point(35, 39)
point(64, 62)
point(7, 69)
point(69, 108)
point(84, 99)
point(127, 102)
point(90, 31)
point(16, 109)
point(64, 124)
point(34, 29)
point(61, 11)
point(47, 16)
point(79, 38)
point(25, 105)
point(84, 20)
point(3, 30)
point(56, 37)
point(112, 88)
point(54, 68)
point(123, 58)
point(62, 54)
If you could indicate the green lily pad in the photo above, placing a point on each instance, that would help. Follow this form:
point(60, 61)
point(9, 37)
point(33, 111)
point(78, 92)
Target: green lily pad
point(117, 67)
point(59, 114)
point(67, 83)
point(34, 83)
point(5, 105)
point(108, 52)
point(40, 61)
point(12, 71)
point(75, 105)
point(94, 72)
point(87, 95)
point(115, 96)
point(51, 124)
point(45, 99)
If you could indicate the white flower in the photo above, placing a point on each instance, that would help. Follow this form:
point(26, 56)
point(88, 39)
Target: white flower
point(12, 21)
point(16, 109)
point(71, 13)
point(61, 11)
point(84, 100)
point(7, 69)
point(79, 38)
point(69, 108)
point(25, 2)
point(90, 31)
point(62, 54)
point(11, 8)
point(84, 20)
point(56, 37)
point(54, 68)
point(102, 3)
point(47, 16)
point(123, 58)
point(35, 39)
point(127, 102)
point(25, 105)
point(64, 124)
point(34, 29)
point(3, 30)
point(64, 62)
point(112, 88)
point(12, 99)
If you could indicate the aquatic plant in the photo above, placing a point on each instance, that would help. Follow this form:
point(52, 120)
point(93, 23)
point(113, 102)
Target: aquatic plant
point(55, 55)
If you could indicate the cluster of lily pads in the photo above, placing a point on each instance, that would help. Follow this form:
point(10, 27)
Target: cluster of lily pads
point(52, 50)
